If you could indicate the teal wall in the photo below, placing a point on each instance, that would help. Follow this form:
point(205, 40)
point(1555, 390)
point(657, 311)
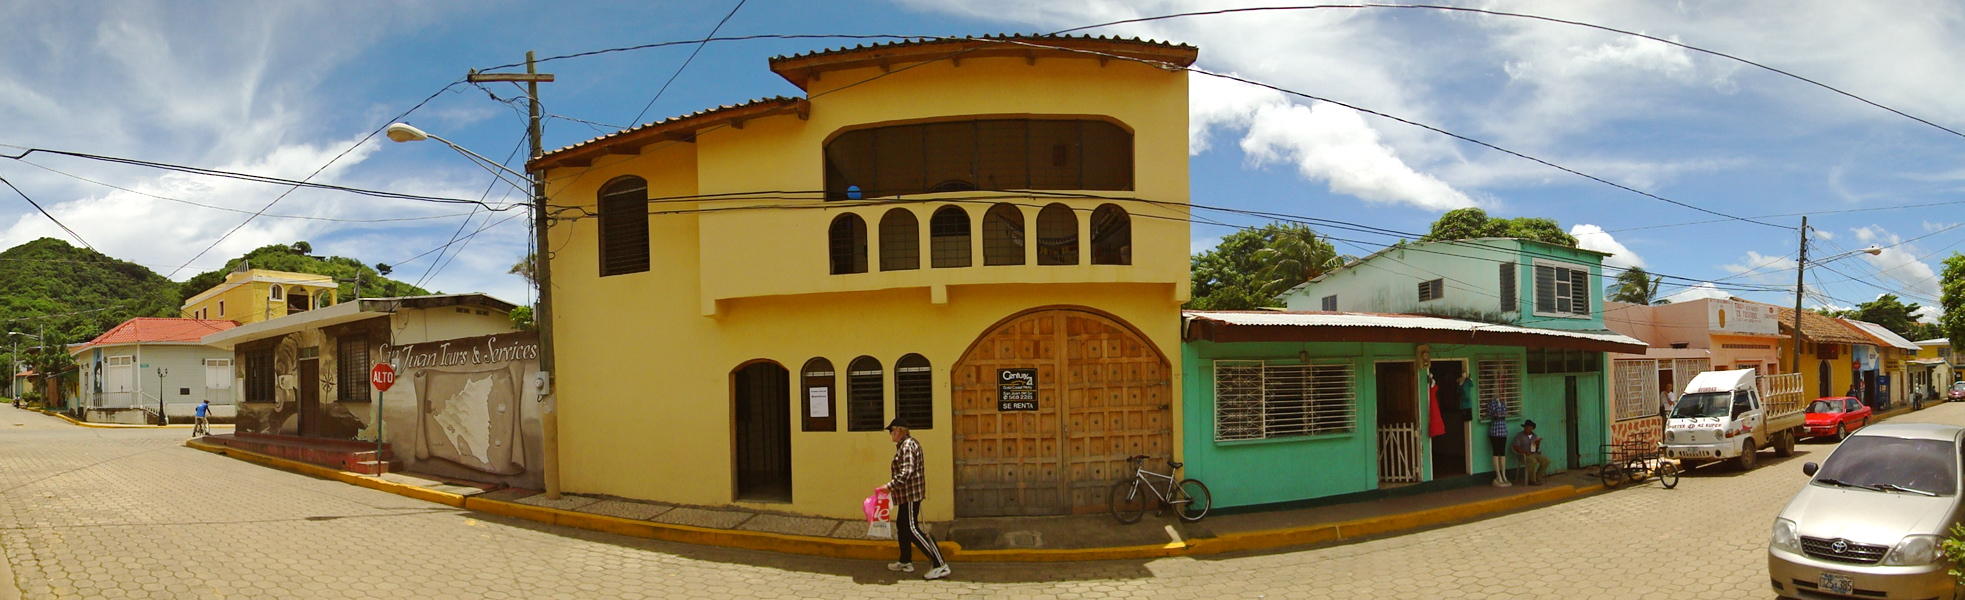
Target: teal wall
point(1244, 473)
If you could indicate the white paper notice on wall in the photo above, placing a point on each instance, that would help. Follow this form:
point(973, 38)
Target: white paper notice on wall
point(821, 402)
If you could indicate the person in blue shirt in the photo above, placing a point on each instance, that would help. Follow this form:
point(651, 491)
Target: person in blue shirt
point(201, 425)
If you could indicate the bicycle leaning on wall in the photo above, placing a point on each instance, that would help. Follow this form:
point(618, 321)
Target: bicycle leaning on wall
point(1188, 497)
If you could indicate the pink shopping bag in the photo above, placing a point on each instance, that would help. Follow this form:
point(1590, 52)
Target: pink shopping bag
point(878, 506)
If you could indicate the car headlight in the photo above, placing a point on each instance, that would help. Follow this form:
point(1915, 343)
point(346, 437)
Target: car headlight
point(1784, 537)
point(1913, 550)
point(1671, 437)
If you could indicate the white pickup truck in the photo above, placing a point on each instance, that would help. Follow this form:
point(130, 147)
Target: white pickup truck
point(1733, 415)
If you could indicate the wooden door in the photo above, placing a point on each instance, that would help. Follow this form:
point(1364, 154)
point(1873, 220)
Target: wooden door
point(1103, 393)
point(1572, 429)
point(761, 396)
point(310, 397)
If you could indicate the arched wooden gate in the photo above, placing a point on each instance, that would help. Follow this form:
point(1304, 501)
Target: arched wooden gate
point(1103, 393)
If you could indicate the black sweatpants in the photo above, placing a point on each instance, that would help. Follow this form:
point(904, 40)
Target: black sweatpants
point(907, 530)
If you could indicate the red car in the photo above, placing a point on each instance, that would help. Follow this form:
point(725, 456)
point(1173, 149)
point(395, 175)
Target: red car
point(1836, 416)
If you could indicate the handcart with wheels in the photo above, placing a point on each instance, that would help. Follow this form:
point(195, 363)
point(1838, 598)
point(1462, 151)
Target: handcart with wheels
point(1632, 462)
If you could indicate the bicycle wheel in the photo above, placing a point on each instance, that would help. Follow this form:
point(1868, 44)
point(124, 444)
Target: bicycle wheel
point(1128, 501)
point(1668, 474)
point(1612, 474)
point(1192, 500)
point(1636, 470)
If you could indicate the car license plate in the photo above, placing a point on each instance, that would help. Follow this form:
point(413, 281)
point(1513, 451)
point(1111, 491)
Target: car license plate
point(1837, 584)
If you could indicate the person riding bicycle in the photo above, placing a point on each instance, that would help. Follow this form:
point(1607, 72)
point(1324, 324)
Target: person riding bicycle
point(908, 487)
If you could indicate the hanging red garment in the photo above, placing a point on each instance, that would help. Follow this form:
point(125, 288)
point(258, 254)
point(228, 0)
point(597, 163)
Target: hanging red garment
point(1437, 427)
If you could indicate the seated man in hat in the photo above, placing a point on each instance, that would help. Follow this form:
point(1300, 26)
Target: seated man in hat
point(1529, 446)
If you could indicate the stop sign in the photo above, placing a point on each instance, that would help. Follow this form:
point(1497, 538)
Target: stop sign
point(383, 376)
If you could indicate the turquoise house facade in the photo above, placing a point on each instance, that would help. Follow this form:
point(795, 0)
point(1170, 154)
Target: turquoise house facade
point(1337, 395)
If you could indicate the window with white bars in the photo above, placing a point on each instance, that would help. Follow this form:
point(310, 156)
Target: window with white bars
point(1683, 369)
point(1500, 380)
point(1256, 401)
point(1636, 391)
point(1432, 290)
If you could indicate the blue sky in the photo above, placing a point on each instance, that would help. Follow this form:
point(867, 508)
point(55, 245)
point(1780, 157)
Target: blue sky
point(284, 87)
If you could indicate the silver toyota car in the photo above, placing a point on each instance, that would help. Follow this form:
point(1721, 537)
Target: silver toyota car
point(1869, 522)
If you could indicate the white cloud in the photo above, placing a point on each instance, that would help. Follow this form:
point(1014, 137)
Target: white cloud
point(1333, 144)
point(1592, 237)
point(1702, 290)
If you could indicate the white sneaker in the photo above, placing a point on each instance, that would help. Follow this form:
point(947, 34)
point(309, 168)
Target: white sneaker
point(937, 572)
point(900, 567)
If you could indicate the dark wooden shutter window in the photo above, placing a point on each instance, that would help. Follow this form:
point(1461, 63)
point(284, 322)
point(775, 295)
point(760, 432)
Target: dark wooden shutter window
point(1330, 302)
point(352, 364)
point(948, 237)
point(259, 373)
point(1545, 289)
point(1579, 292)
point(1432, 290)
point(1112, 236)
point(900, 241)
point(846, 244)
point(624, 226)
point(914, 392)
point(866, 408)
point(993, 154)
point(1057, 236)
point(1508, 301)
point(1003, 235)
point(820, 382)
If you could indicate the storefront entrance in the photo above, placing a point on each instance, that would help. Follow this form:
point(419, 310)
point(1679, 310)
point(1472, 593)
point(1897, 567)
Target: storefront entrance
point(760, 397)
point(1048, 405)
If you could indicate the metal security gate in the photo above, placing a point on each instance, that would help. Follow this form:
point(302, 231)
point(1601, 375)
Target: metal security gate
point(1103, 392)
point(1398, 453)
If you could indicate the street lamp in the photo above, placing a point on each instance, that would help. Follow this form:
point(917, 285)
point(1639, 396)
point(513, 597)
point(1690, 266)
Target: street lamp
point(541, 270)
point(14, 353)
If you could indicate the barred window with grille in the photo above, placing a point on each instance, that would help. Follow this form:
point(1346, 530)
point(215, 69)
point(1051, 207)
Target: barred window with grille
point(1256, 401)
point(914, 392)
point(1500, 380)
point(865, 409)
point(1636, 388)
point(1432, 290)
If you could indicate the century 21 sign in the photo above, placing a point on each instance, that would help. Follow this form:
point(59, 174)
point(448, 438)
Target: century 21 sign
point(1016, 389)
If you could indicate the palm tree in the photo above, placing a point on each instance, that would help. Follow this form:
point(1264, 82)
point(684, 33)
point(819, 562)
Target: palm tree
point(524, 268)
point(1294, 256)
point(1636, 286)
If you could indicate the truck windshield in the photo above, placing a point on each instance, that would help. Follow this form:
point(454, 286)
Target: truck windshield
point(1883, 462)
point(1708, 404)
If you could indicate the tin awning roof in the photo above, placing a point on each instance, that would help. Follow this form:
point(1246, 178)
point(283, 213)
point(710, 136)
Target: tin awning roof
point(1320, 326)
point(1883, 334)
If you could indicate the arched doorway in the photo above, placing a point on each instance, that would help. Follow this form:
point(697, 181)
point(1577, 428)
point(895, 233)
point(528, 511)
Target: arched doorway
point(760, 394)
point(1102, 392)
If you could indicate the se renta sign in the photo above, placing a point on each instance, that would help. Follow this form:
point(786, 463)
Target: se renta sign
point(1016, 389)
point(382, 376)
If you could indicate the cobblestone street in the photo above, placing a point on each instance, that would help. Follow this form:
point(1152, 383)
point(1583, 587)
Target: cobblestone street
point(132, 514)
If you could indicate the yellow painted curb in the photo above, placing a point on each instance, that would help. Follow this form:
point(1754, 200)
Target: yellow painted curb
point(882, 550)
point(72, 421)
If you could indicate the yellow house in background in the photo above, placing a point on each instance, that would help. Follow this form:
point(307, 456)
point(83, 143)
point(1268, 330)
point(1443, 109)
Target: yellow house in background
point(1827, 350)
point(253, 295)
point(984, 237)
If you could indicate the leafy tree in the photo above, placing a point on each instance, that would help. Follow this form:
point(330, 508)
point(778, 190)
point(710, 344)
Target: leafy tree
point(303, 248)
point(1952, 297)
point(1470, 223)
point(384, 269)
point(524, 268)
point(1893, 315)
point(522, 318)
point(1251, 267)
point(1636, 286)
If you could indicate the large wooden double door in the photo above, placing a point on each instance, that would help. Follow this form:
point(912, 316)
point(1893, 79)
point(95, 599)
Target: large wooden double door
point(1103, 393)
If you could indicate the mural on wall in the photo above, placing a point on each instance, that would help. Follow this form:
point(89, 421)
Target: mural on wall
point(468, 409)
point(279, 414)
point(304, 401)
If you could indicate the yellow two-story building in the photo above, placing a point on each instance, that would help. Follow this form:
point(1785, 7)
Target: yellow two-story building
point(254, 295)
point(986, 238)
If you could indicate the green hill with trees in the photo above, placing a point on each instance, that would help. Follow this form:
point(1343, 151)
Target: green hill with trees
point(295, 258)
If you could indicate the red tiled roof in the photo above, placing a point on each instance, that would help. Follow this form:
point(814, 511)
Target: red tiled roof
point(159, 329)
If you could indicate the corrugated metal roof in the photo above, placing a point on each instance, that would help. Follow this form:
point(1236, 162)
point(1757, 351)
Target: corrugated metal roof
point(1883, 334)
point(1392, 321)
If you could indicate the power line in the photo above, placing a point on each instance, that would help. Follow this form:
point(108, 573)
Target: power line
point(735, 38)
point(256, 178)
point(686, 61)
point(44, 212)
point(438, 264)
point(1537, 18)
point(228, 208)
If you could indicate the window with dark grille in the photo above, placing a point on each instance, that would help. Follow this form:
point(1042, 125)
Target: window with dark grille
point(900, 241)
point(259, 373)
point(1330, 302)
point(846, 244)
point(914, 392)
point(1112, 236)
point(865, 399)
point(1057, 236)
point(1562, 290)
point(1002, 231)
point(1579, 292)
point(948, 237)
point(1432, 290)
point(624, 226)
point(994, 154)
point(351, 362)
point(1507, 282)
point(821, 395)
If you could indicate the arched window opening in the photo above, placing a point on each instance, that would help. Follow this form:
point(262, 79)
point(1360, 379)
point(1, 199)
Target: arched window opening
point(847, 244)
point(866, 408)
point(914, 392)
point(821, 389)
point(1057, 236)
point(948, 237)
point(296, 299)
point(278, 293)
point(1003, 235)
point(1112, 236)
point(900, 241)
point(624, 226)
point(988, 154)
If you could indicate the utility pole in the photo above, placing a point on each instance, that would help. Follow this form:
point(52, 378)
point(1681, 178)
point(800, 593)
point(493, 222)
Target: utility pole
point(1800, 271)
point(542, 273)
point(161, 419)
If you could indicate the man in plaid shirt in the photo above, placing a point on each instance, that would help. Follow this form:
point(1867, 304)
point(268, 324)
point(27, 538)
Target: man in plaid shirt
point(908, 487)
